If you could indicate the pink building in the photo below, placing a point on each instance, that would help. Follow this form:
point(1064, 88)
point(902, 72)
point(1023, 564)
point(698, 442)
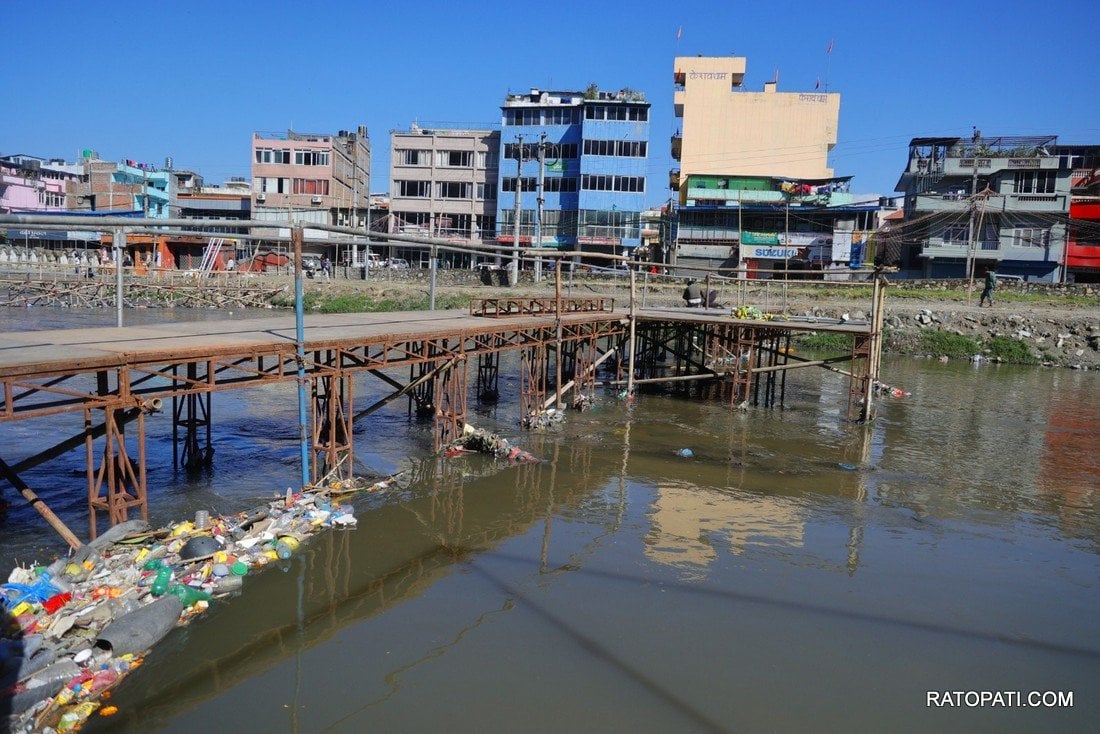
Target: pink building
point(31, 184)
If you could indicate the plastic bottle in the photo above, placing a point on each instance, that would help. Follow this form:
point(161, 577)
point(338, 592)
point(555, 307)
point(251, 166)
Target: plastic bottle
point(283, 550)
point(160, 584)
point(187, 595)
point(202, 520)
point(229, 583)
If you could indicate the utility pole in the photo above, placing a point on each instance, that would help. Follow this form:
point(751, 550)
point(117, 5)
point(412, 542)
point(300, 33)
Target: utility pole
point(144, 191)
point(513, 273)
point(971, 250)
point(540, 200)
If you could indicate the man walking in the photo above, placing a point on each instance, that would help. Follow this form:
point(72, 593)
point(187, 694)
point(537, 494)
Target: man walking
point(990, 286)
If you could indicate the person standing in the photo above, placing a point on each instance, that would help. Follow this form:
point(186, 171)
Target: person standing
point(326, 266)
point(990, 286)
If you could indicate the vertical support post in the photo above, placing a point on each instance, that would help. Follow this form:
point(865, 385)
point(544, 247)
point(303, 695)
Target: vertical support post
point(513, 273)
point(300, 344)
point(119, 242)
point(557, 325)
point(434, 254)
point(631, 346)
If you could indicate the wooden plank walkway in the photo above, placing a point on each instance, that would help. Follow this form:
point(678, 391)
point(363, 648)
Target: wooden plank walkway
point(40, 353)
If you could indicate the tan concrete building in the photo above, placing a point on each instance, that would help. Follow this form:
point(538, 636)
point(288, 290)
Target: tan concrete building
point(727, 130)
point(308, 177)
point(443, 182)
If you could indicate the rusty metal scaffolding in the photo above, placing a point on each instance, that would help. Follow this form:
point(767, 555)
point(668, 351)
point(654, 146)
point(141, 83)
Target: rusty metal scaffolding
point(133, 380)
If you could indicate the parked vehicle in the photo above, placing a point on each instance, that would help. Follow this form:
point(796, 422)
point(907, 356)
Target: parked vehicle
point(310, 265)
point(398, 263)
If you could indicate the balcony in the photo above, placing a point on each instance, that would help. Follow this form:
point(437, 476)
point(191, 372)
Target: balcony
point(935, 201)
point(965, 166)
point(677, 145)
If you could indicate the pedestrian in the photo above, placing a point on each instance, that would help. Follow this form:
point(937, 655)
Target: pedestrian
point(326, 266)
point(693, 294)
point(990, 286)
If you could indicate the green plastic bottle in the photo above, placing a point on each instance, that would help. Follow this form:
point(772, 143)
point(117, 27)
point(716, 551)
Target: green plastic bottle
point(160, 583)
point(188, 595)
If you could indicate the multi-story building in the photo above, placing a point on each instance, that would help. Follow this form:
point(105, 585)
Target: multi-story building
point(999, 202)
point(33, 185)
point(576, 161)
point(319, 178)
point(753, 186)
point(443, 183)
point(125, 187)
point(29, 184)
point(1083, 242)
point(193, 199)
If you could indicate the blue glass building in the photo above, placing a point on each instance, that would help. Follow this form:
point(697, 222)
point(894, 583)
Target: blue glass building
point(592, 150)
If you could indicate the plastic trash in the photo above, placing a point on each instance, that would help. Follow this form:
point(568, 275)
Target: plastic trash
point(164, 577)
point(187, 595)
point(138, 631)
point(203, 545)
point(685, 453)
point(202, 520)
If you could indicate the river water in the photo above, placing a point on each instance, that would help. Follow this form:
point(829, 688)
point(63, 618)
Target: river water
point(797, 573)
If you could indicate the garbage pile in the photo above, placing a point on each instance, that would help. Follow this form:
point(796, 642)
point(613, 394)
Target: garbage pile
point(82, 623)
point(486, 442)
point(543, 419)
point(884, 389)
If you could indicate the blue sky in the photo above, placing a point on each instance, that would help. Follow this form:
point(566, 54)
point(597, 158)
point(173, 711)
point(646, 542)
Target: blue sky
point(194, 79)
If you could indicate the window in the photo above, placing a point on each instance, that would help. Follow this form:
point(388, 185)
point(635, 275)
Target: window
point(956, 234)
point(311, 157)
point(454, 158)
point(271, 155)
point(313, 186)
point(508, 183)
point(593, 182)
point(559, 184)
point(625, 148)
point(486, 191)
point(414, 189)
point(487, 159)
point(1034, 182)
point(530, 151)
point(561, 150)
point(522, 116)
point(413, 157)
point(271, 185)
point(1030, 237)
point(562, 116)
point(452, 189)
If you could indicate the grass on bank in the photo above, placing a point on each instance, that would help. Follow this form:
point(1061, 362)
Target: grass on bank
point(930, 342)
point(319, 302)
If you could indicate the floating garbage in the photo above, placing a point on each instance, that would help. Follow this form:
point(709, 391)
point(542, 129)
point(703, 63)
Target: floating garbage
point(895, 392)
point(84, 622)
point(482, 441)
point(685, 453)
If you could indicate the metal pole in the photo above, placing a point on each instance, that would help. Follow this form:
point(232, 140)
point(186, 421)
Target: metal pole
point(557, 319)
point(300, 344)
point(538, 215)
point(119, 245)
point(434, 254)
point(513, 275)
point(630, 342)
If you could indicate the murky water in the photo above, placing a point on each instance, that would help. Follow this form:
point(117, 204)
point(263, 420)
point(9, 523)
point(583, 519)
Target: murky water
point(798, 573)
